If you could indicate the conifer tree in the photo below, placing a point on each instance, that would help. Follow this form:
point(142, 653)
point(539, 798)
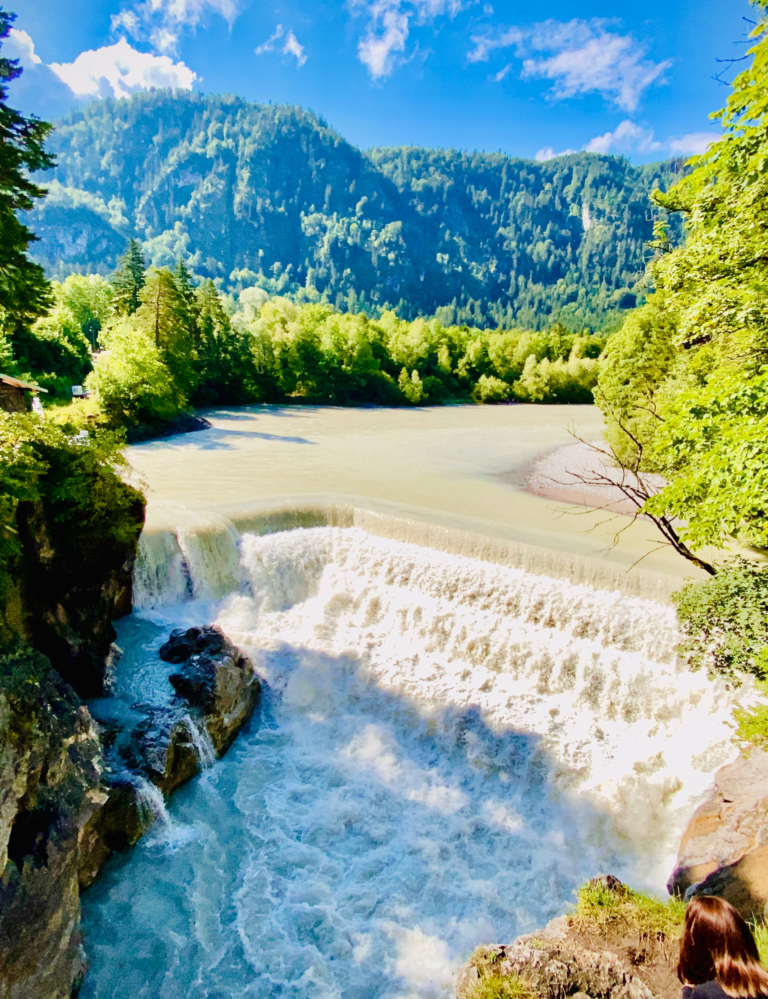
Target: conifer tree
point(163, 316)
point(24, 291)
point(128, 280)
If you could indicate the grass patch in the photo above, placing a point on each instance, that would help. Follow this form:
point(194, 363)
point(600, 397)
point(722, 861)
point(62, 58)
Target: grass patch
point(604, 906)
point(760, 933)
point(493, 983)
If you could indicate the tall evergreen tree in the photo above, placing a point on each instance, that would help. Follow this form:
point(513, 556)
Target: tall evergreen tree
point(24, 291)
point(128, 280)
point(163, 315)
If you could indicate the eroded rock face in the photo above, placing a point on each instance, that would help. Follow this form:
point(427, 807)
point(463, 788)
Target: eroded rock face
point(724, 850)
point(50, 790)
point(215, 679)
point(556, 967)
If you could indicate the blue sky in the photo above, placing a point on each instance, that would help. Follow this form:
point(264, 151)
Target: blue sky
point(529, 79)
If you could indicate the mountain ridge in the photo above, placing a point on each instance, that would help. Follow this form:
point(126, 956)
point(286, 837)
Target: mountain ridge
point(270, 195)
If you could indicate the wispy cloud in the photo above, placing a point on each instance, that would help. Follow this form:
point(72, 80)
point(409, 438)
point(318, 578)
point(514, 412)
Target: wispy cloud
point(161, 22)
point(548, 153)
point(389, 25)
point(579, 57)
point(625, 138)
point(292, 47)
point(692, 144)
point(120, 70)
point(629, 137)
point(269, 45)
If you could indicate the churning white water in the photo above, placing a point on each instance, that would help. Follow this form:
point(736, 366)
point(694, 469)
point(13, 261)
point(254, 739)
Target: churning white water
point(445, 750)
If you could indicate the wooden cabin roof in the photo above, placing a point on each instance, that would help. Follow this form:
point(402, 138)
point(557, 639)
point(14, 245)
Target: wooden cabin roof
point(15, 383)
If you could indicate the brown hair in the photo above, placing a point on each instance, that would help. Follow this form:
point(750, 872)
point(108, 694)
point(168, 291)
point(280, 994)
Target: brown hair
point(717, 945)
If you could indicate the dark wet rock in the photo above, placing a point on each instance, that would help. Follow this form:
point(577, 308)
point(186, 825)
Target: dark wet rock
point(216, 679)
point(162, 748)
point(193, 641)
point(51, 790)
point(118, 825)
point(724, 850)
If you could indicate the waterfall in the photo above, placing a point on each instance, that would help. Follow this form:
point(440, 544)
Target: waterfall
point(201, 740)
point(151, 800)
point(448, 747)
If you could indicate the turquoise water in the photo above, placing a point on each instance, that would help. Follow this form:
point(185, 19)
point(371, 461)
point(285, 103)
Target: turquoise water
point(444, 751)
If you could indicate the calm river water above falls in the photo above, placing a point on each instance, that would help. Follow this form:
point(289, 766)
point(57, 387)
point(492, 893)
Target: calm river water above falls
point(446, 747)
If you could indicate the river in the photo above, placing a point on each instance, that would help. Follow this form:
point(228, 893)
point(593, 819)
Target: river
point(447, 746)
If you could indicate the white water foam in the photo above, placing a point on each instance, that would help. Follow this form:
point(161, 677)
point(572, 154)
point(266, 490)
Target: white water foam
point(201, 740)
point(447, 748)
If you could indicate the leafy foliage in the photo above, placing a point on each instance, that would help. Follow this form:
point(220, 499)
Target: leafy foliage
point(74, 480)
point(269, 196)
point(131, 381)
point(725, 621)
point(684, 384)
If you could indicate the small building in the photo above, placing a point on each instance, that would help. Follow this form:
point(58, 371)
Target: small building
point(16, 396)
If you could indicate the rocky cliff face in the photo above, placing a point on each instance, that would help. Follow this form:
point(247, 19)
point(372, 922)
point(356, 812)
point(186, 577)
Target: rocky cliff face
point(67, 801)
point(724, 850)
point(50, 791)
point(73, 581)
point(549, 964)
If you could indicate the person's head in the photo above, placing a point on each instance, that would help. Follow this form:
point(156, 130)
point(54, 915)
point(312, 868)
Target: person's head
point(717, 945)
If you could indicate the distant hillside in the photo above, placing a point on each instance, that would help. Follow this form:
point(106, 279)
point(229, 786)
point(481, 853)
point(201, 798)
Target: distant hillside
point(262, 194)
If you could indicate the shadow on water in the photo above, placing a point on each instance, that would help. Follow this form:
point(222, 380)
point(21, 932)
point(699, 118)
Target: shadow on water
point(352, 843)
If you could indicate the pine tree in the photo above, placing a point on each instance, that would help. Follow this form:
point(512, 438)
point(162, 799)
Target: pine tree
point(24, 290)
point(128, 280)
point(163, 315)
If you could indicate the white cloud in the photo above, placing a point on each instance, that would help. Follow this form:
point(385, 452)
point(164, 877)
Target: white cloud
point(693, 144)
point(119, 70)
point(126, 20)
point(579, 57)
point(548, 153)
point(269, 45)
point(19, 45)
point(502, 73)
point(292, 47)
point(161, 22)
point(485, 44)
point(389, 25)
point(164, 40)
point(626, 137)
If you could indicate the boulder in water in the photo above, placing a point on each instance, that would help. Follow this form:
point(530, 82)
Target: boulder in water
point(216, 679)
point(162, 748)
point(724, 850)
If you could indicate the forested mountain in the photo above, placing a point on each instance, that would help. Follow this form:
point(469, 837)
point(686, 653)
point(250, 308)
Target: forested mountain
point(251, 194)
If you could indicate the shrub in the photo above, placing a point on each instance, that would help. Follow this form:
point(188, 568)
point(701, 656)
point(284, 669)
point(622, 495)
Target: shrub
point(490, 389)
point(725, 621)
point(132, 383)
